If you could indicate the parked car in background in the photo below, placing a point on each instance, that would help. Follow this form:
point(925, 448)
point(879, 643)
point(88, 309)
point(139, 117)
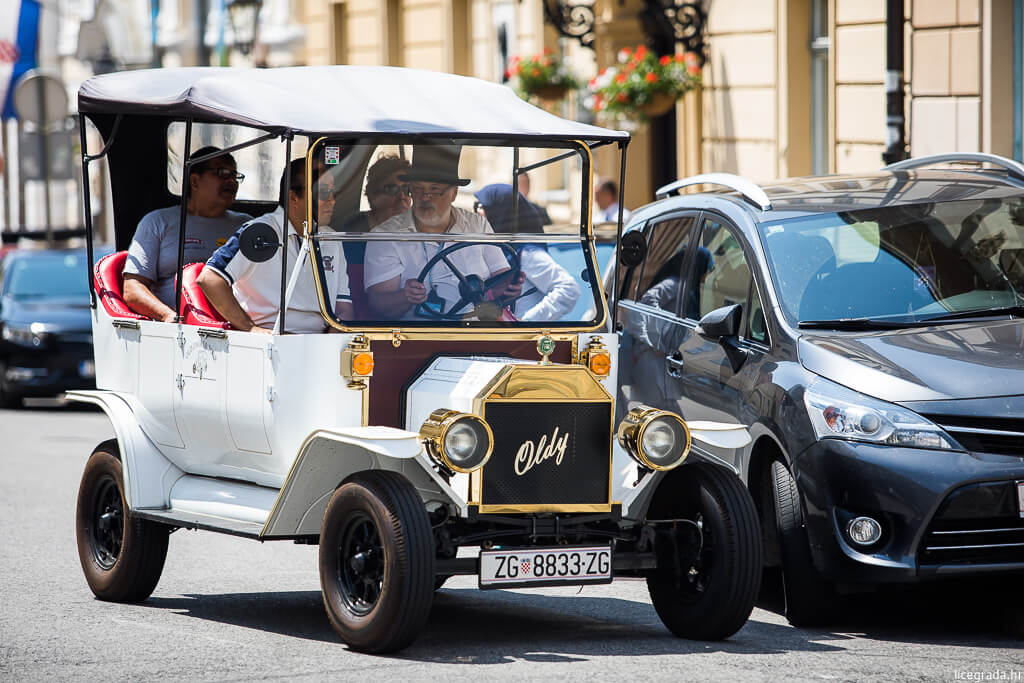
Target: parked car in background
point(45, 324)
point(870, 330)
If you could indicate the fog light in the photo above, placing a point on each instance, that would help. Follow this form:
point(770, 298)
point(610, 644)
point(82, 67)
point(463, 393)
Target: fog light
point(863, 530)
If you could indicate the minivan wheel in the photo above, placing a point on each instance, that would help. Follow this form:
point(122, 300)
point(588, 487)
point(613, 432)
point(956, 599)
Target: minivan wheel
point(810, 600)
point(377, 562)
point(122, 556)
point(709, 560)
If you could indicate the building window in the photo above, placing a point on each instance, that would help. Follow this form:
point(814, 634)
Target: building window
point(820, 46)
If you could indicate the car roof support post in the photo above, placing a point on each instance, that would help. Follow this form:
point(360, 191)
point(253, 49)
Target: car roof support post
point(287, 221)
point(87, 195)
point(618, 233)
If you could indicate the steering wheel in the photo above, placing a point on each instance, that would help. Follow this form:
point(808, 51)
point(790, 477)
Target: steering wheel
point(472, 288)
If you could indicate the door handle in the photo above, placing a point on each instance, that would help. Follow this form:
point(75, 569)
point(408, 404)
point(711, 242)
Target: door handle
point(674, 365)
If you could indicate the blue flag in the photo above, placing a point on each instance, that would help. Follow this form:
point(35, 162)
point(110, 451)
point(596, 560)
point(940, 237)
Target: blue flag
point(19, 38)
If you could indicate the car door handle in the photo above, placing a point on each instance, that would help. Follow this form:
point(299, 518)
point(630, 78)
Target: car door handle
point(674, 365)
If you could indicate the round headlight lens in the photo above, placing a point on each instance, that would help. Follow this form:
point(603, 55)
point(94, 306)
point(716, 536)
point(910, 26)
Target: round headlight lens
point(664, 441)
point(460, 443)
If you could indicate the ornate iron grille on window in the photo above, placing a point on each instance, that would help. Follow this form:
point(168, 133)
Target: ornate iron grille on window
point(664, 21)
point(668, 21)
point(572, 18)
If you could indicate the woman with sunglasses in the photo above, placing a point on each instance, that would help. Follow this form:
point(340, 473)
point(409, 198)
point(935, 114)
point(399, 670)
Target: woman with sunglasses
point(549, 291)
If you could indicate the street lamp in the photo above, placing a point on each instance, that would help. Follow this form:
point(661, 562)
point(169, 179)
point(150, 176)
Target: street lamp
point(245, 16)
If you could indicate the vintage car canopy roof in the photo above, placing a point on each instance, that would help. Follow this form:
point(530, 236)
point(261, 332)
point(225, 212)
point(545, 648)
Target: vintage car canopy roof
point(333, 100)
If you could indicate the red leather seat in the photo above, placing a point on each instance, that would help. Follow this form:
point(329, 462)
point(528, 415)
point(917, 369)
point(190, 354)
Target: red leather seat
point(195, 309)
point(108, 278)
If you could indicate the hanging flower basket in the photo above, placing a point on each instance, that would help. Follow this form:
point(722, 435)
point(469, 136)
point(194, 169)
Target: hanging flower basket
point(642, 85)
point(659, 105)
point(542, 77)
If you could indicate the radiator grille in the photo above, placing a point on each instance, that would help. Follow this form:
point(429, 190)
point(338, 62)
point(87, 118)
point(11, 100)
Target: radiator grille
point(547, 456)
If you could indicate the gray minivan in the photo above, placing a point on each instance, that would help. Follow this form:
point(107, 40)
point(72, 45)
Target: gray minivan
point(870, 330)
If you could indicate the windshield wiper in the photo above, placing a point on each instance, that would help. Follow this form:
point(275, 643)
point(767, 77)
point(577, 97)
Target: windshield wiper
point(856, 324)
point(1016, 310)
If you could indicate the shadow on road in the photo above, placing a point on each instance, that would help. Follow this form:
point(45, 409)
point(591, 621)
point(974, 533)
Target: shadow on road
point(494, 627)
point(975, 613)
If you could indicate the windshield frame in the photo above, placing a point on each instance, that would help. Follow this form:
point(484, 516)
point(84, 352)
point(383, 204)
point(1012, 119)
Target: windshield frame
point(584, 236)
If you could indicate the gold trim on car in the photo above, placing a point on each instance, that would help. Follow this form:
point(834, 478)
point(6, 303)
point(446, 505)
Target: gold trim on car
point(542, 384)
point(435, 429)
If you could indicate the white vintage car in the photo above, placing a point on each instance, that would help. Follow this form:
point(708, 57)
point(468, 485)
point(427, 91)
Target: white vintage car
point(471, 433)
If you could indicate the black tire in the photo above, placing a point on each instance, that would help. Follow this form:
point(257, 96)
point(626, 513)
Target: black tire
point(714, 601)
point(8, 400)
point(810, 600)
point(122, 556)
point(377, 562)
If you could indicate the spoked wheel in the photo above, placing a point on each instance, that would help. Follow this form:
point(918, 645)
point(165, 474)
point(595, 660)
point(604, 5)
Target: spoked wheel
point(709, 559)
point(122, 556)
point(810, 600)
point(377, 562)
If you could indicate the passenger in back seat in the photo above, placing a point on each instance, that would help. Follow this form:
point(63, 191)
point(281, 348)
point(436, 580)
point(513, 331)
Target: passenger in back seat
point(388, 196)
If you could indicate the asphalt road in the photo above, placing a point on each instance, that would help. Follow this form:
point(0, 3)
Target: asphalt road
point(230, 609)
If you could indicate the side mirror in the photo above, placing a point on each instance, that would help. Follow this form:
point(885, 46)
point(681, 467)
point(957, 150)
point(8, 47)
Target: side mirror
point(722, 325)
point(632, 249)
point(258, 242)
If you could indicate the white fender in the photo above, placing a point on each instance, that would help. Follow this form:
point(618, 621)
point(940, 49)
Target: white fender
point(328, 457)
point(148, 475)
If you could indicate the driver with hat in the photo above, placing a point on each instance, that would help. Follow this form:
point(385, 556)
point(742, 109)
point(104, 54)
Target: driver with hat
point(392, 270)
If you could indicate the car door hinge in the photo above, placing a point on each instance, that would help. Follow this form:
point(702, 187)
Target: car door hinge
point(270, 352)
point(271, 394)
point(179, 381)
point(181, 339)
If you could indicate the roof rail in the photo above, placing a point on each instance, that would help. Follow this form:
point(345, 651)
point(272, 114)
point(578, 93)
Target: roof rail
point(750, 191)
point(1012, 167)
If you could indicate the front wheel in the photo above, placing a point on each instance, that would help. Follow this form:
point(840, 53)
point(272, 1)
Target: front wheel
point(810, 599)
point(122, 556)
point(710, 557)
point(377, 562)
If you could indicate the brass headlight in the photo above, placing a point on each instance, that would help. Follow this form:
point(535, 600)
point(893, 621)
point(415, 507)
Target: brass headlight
point(655, 438)
point(460, 441)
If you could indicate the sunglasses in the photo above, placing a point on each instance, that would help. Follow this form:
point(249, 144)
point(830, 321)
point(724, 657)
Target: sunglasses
point(423, 193)
point(392, 189)
point(226, 174)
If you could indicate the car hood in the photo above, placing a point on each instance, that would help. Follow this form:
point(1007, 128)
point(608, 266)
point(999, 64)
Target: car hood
point(57, 314)
point(965, 360)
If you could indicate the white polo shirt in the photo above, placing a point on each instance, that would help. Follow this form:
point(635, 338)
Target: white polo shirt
point(385, 260)
point(257, 286)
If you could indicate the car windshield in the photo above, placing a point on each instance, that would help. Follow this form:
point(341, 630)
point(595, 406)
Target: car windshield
point(900, 264)
point(435, 235)
point(54, 275)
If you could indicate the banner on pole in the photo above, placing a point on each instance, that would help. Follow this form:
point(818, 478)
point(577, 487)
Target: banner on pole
point(19, 33)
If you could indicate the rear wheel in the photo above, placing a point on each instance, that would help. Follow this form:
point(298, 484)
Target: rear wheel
point(377, 562)
point(122, 556)
point(709, 560)
point(810, 600)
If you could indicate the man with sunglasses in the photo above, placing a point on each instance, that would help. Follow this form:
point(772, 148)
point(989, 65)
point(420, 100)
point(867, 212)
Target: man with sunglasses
point(248, 294)
point(152, 263)
point(392, 268)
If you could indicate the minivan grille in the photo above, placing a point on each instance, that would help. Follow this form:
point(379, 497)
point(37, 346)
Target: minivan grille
point(976, 524)
point(1003, 436)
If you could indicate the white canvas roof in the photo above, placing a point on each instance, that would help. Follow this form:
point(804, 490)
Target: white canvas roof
point(333, 99)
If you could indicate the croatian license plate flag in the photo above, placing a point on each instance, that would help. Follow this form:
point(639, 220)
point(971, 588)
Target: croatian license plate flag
point(19, 31)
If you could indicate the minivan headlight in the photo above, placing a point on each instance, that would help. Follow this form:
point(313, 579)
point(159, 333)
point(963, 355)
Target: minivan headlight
point(34, 335)
point(840, 413)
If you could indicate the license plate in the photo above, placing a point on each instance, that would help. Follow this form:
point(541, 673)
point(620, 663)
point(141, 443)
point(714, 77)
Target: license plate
point(1020, 498)
point(87, 368)
point(558, 566)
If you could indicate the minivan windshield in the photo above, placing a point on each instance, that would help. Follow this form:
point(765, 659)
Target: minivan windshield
point(47, 275)
point(900, 264)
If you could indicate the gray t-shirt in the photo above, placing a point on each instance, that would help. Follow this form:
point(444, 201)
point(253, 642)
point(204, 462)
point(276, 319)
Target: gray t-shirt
point(153, 253)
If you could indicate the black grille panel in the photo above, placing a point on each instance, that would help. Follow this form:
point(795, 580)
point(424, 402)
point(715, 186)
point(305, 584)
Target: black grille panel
point(976, 524)
point(1002, 436)
point(570, 445)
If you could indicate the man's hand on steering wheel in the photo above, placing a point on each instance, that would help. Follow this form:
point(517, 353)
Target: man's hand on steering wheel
point(511, 291)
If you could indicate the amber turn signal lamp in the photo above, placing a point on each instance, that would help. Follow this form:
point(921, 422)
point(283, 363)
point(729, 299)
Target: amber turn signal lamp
point(600, 363)
point(362, 364)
